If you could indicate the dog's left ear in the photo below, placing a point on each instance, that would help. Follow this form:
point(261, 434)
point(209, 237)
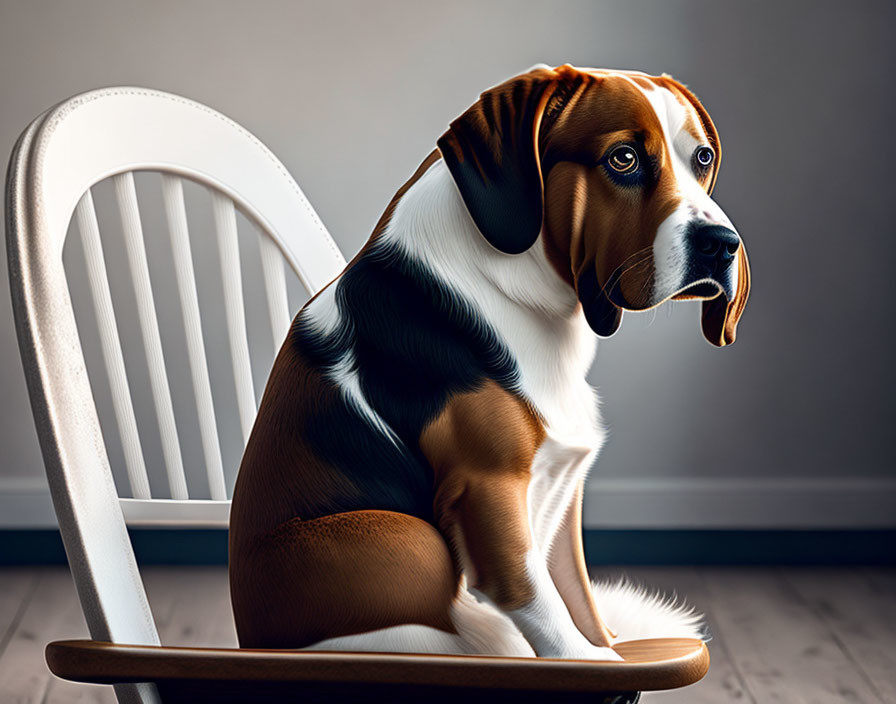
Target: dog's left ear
point(492, 153)
point(720, 316)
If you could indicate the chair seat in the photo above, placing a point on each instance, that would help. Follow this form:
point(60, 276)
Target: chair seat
point(231, 675)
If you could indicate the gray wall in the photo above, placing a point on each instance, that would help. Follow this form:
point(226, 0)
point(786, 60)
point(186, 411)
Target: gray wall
point(790, 426)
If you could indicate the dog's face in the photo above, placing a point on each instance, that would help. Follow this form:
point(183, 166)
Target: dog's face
point(612, 171)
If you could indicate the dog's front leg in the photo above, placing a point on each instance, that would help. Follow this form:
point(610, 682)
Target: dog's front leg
point(482, 477)
point(570, 574)
point(484, 513)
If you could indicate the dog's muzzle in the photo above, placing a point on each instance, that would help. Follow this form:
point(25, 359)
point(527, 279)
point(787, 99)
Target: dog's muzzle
point(711, 253)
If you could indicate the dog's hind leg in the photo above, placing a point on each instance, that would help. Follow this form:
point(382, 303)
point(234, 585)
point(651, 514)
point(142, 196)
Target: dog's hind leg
point(344, 574)
point(481, 630)
point(364, 581)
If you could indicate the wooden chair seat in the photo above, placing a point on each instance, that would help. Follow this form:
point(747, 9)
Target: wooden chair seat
point(238, 675)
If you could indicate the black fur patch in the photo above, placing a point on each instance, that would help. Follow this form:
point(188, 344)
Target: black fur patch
point(415, 342)
point(497, 170)
point(602, 314)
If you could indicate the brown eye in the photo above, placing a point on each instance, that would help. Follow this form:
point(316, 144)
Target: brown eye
point(623, 159)
point(703, 157)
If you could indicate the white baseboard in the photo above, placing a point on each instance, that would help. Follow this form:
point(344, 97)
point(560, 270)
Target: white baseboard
point(25, 503)
point(760, 503)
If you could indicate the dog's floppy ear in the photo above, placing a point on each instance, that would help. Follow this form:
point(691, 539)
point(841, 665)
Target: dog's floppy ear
point(720, 316)
point(492, 153)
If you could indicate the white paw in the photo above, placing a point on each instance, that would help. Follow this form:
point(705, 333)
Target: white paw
point(581, 651)
point(594, 652)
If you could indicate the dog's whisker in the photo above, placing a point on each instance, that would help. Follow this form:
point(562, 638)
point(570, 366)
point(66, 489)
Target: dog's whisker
point(644, 255)
point(632, 268)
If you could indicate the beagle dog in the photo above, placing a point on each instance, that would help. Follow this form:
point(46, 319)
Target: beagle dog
point(414, 478)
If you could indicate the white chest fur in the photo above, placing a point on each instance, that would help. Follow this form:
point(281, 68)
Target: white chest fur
point(537, 316)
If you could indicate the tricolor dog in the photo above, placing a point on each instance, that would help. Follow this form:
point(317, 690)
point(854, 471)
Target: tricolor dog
point(414, 478)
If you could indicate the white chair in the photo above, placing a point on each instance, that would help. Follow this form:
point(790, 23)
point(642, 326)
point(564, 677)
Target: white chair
point(112, 133)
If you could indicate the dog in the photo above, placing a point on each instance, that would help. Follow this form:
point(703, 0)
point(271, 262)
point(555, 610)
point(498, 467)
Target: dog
point(414, 478)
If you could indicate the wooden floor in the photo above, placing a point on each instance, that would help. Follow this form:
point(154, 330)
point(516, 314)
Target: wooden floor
point(793, 635)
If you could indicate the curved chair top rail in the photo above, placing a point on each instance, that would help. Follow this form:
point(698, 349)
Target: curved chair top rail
point(104, 132)
point(64, 152)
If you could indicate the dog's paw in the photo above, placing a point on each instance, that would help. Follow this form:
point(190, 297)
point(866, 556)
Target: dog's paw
point(584, 651)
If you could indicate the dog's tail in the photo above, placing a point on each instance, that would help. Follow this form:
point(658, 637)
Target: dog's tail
point(634, 612)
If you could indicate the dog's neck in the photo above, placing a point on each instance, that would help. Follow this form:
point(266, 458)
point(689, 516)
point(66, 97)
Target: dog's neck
point(521, 296)
point(431, 224)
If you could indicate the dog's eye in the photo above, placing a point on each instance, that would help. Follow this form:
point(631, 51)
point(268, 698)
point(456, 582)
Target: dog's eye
point(623, 159)
point(703, 157)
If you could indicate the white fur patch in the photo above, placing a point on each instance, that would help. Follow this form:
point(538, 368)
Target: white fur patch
point(531, 309)
point(669, 253)
point(322, 312)
point(345, 375)
point(634, 612)
point(323, 316)
point(556, 471)
point(486, 630)
point(546, 623)
point(408, 638)
point(669, 247)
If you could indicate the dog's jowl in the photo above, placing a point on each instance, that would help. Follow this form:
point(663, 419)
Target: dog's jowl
point(414, 478)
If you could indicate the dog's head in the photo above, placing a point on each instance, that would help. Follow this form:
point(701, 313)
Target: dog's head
point(613, 170)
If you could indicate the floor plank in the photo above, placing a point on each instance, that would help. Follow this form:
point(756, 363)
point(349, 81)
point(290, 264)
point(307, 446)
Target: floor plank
point(52, 612)
point(783, 650)
point(63, 692)
point(723, 684)
point(859, 607)
point(813, 635)
point(16, 588)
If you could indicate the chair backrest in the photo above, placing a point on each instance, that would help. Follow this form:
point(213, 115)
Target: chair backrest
point(58, 160)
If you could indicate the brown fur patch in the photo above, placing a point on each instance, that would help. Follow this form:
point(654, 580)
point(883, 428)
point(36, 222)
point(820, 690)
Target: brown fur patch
point(589, 221)
point(280, 476)
point(342, 574)
point(720, 316)
point(481, 449)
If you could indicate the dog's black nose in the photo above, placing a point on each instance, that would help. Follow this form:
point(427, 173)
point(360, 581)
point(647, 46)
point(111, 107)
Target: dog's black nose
point(716, 244)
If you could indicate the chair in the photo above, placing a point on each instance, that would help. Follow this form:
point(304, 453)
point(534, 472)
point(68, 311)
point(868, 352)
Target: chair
point(110, 134)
